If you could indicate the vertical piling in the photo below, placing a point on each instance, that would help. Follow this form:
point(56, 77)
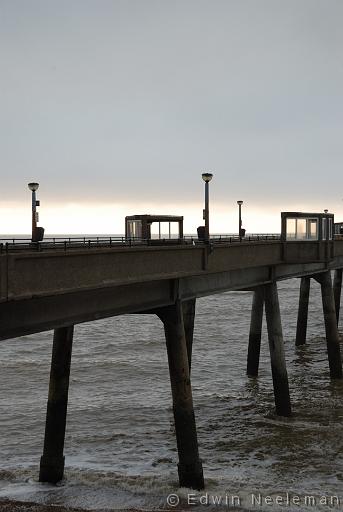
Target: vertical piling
point(188, 309)
point(332, 338)
point(277, 353)
point(303, 311)
point(52, 461)
point(255, 332)
point(190, 466)
point(337, 289)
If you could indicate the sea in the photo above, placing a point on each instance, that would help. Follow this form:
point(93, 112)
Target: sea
point(120, 447)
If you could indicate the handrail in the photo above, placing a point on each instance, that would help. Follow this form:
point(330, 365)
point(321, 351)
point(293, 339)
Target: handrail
point(79, 242)
point(69, 243)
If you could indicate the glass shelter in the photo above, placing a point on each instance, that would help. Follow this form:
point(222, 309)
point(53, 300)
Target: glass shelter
point(139, 226)
point(297, 226)
point(338, 228)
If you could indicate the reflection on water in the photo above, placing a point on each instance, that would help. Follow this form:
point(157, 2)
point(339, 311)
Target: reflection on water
point(120, 445)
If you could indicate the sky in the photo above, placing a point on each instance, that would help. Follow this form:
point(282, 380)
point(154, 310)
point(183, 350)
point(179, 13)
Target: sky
point(116, 107)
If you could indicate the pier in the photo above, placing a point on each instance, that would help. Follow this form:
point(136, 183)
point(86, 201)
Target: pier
point(55, 285)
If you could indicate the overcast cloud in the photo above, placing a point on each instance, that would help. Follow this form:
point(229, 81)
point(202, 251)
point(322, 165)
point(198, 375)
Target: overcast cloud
point(119, 101)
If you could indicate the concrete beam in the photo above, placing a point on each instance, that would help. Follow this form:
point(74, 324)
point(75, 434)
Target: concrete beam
point(200, 286)
point(18, 318)
point(290, 271)
point(44, 274)
point(34, 274)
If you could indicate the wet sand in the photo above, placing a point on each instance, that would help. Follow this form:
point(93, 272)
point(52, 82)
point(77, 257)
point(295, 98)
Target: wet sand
point(7, 505)
point(24, 506)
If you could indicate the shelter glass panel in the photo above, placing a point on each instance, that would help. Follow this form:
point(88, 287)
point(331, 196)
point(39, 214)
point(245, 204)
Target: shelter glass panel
point(312, 229)
point(134, 229)
point(291, 229)
point(330, 228)
point(301, 229)
point(324, 229)
point(164, 230)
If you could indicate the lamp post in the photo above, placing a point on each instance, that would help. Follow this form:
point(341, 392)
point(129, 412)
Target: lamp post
point(240, 219)
point(327, 233)
point(207, 176)
point(326, 222)
point(33, 187)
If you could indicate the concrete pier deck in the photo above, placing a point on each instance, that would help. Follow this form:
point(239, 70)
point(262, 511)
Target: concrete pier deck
point(41, 290)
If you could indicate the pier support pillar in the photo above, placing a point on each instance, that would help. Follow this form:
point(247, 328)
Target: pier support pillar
point(337, 289)
point(188, 308)
point(190, 466)
point(332, 338)
point(255, 332)
point(277, 353)
point(52, 461)
point(304, 295)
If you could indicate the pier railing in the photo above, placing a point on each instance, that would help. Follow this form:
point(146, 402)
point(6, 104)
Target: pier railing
point(67, 243)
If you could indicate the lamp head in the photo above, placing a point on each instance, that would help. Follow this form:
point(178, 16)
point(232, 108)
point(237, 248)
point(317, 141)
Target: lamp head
point(33, 186)
point(239, 202)
point(207, 176)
